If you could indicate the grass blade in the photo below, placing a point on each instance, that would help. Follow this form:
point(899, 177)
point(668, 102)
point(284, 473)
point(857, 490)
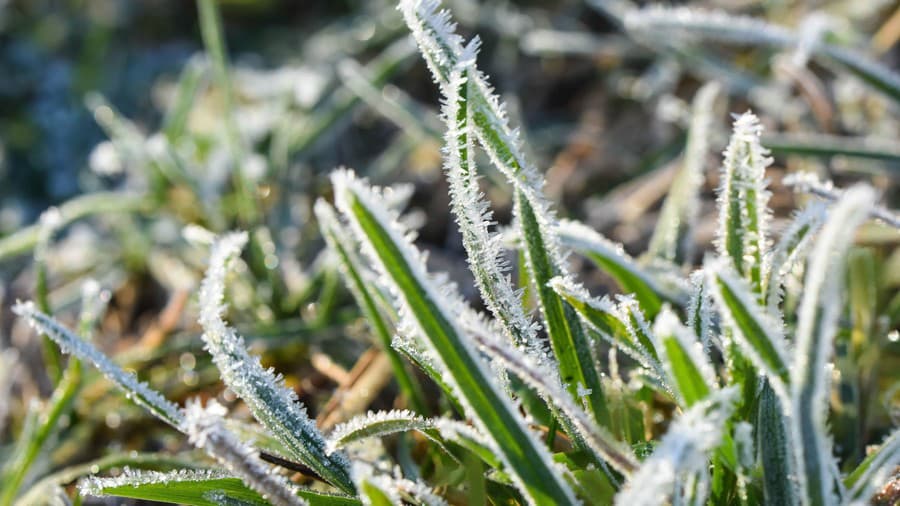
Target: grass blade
point(809, 183)
point(430, 311)
point(671, 238)
point(376, 424)
point(613, 259)
point(750, 326)
point(351, 268)
point(819, 311)
point(743, 202)
point(875, 470)
point(791, 248)
point(775, 454)
point(189, 487)
point(273, 404)
point(443, 50)
point(684, 358)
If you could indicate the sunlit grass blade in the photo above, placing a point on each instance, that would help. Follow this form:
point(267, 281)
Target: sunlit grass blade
point(484, 251)
point(70, 343)
point(546, 383)
point(875, 470)
point(190, 83)
point(430, 311)
point(206, 430)
point(751, 327)
point(362, 289)
point(791, 249)
point(696, 24)
point(443, 50)
point(700, 311)
point(684, 358)
point(743, 203)
point(808, 182)
point(613, 259)
point(620, 324)
point(671, 238)
point(775, 451)
point(271, 402)
point(684, 450)
point(376, 424)
point(195, 488)
point(23, 240)
point(819, 311)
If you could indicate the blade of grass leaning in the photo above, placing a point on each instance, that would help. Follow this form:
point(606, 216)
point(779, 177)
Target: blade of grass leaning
point(546, 382)
point(684, 450)
point(697, 24)
point(743, 203)
point(875, 470)
point(749, 325)
point(820, 308)
point(190, 84)
point(442, 49)
point(620, 324)
point(671, 240)
point(430, 311)
point(808, 182)
point(484, 251)
point(791, 248)
point(26, 238)
point(775, 451)
point(272, 403)
point(684, 359)
point(351, 268)
point(825, 145)
point(613, 259)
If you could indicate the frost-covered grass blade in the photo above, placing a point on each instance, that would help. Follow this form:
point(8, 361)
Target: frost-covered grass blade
point(195, 488)
point(683, 356)
point(819, 311)
point(428, 311)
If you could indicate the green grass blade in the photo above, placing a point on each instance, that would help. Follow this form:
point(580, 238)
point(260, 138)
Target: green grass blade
point(190, 82)
point(620, 324)
point(432, 312)
point(683, 357)
point(612, 258)
point(775, 454)
point(750, 326)
point(743, 203)
point(70, 343)
point(272, 403)
point(671, 238)
point(875, 470)
point(791, 249)
point(353, 271)
point(376, 424)
point(195, 488)
point(820, 308)
point(443, 51)
point(826, 145)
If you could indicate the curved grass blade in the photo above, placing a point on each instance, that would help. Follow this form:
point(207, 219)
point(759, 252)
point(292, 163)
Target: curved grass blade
point(443, 51)
point(875, 470)
point(484, 250)
point(684, 359)
point(376, 424)
point(683, 451)
point(430, 311)
point(546, 382)
point(613, 259)
point(693, 24)
point(272, 403)
point(70, 343)
point(352, 269)
point(819, 311)
point(808, 182)
point(191, 487)
point(753, 330)
point(671, 238)
point(24, 240)
point(791, 248)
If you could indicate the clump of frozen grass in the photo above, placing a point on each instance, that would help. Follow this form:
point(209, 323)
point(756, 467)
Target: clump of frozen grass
point(718, 348)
